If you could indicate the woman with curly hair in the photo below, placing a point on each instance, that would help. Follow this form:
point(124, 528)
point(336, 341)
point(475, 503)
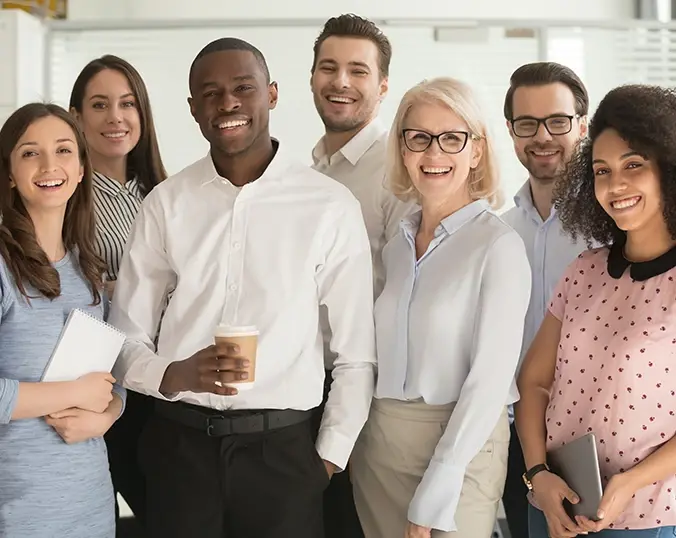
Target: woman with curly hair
point(602, 361)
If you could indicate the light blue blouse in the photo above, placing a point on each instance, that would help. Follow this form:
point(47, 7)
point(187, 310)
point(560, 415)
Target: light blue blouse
point(449, 328)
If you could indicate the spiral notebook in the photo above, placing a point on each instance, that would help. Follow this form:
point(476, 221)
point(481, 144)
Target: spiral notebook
point(86, 344)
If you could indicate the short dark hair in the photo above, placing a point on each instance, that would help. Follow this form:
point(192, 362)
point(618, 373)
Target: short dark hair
point(144, 160)
point(351, 25)
point(231, 43)
point(645, 117)
point(540, 74)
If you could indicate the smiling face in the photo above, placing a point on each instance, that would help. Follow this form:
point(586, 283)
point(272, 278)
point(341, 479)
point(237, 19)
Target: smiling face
point(544, 155)
point(45, 167)
point(346, 84)
point(626, 183)
point(439, 176)
point(110, 119)
point(231, 100)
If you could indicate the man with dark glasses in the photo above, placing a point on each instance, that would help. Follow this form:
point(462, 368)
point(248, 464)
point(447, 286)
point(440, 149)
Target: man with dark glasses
point(546, 111)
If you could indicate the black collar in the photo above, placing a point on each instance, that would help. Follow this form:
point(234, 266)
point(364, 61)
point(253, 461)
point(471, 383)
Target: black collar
point(617, 263)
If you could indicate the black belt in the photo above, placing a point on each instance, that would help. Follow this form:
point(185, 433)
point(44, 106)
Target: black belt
point(220, 424)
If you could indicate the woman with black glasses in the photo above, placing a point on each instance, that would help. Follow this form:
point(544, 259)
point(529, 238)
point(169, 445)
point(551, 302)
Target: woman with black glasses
point(449, 322)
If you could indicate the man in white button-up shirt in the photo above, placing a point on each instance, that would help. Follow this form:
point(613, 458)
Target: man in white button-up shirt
point(244, 236)
point(349, 80)
point(546, 111)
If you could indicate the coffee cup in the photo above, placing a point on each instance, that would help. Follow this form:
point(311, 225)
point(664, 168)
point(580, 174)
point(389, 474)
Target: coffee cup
point(246, 338)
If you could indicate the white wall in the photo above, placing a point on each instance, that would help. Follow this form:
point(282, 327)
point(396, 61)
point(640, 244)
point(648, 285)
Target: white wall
point(382, 9)
point(22, 68)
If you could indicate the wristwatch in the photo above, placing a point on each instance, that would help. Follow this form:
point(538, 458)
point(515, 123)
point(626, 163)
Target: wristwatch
point(530, 473)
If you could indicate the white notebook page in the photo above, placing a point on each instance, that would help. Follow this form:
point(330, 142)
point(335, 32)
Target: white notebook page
point(86, 345)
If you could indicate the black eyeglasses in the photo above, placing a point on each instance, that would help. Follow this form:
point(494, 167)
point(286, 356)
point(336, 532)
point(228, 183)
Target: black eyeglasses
point(449, 142)
point(556, 125)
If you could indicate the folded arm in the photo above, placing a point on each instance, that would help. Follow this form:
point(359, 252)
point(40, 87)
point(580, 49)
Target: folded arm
point(33, 400)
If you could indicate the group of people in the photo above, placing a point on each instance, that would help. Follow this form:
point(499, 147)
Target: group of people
point(407, 331)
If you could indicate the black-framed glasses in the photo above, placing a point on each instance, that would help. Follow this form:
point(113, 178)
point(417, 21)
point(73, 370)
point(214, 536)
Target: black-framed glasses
point(451, 142)
point(556, 125)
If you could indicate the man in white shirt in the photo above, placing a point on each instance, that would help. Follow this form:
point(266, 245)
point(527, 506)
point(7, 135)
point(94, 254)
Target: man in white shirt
point(546, 110)
point(349, 80)
point(244, 236)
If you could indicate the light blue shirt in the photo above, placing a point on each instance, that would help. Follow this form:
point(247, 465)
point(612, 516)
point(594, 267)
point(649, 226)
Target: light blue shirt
point(448, 329)
point(47, 487)
point(550, 250)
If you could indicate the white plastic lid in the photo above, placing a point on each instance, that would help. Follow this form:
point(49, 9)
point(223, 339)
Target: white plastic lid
point(236, 330)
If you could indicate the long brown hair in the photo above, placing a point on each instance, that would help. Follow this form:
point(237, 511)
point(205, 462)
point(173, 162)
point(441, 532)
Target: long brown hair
point(144, 161)
point(19, 246)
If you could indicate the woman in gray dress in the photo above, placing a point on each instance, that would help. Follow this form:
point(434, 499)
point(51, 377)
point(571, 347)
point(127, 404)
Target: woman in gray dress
point(54, 477)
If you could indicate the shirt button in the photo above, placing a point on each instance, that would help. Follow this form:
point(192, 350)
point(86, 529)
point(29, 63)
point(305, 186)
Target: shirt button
point(233, 287)
point(235, 245)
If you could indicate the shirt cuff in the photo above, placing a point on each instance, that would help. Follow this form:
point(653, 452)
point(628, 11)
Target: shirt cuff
point(437, 496)
point(122, 393)
point(149, 378)
point(9, 393)
point(334, 448)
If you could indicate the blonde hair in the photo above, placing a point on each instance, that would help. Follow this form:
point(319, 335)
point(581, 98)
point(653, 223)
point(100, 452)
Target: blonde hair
point(483, 181)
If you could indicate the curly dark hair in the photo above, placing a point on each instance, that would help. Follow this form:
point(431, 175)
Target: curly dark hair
point(645, 117)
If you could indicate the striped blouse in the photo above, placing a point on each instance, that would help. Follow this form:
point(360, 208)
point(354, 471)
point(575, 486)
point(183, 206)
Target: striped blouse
point(116, 206)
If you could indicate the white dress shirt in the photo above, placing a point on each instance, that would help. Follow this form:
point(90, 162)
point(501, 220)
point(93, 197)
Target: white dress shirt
point(360, 166)
point(448, 329)
point(268, 254)
point(549, 251)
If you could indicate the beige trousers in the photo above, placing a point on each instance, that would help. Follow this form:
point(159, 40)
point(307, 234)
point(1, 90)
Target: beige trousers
point(391, 455)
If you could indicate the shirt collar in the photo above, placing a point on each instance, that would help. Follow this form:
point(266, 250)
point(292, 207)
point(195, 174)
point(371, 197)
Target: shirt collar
point(112, 186)
point(523, 199)
point(450, 224)
point(618, 264)
point(280, 162)
point(358, 145)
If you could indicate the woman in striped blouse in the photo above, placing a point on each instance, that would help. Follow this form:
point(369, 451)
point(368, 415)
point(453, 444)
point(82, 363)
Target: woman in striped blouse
point(110, 101)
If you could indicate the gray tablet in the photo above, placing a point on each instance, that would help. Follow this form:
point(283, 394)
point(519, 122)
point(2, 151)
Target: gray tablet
point(577, 463)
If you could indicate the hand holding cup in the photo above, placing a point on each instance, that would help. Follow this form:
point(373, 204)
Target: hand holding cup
point(224, 368)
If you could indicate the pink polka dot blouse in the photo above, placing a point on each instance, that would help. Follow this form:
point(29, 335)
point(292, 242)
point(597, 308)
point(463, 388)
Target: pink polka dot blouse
point(616, 374)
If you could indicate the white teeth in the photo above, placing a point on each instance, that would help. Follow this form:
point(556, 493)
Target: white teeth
point(114, 135)
point(429, 170)
point(627, 202)
point(232, 124)
point(336, 99)
point(51, 183)
point(544, 153)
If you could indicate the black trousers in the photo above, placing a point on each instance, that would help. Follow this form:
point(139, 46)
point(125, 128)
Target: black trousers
point(514, 498)
point(256, 485)
point(340, 514)
point(122, 441)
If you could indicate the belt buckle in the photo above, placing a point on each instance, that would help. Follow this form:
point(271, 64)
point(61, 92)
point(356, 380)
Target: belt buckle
point(210, 424)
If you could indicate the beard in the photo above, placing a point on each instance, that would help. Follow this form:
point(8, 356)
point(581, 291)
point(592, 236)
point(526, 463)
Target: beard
point(342, 125)
point(544, 172)
point(351, 121)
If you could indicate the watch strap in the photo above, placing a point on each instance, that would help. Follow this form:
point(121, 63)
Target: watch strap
point(530, 473)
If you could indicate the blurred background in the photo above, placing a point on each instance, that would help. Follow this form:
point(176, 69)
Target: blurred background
point(45, 43)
